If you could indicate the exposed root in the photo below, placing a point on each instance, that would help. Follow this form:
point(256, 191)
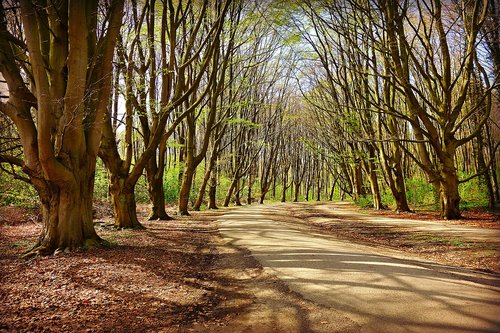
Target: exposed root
point(38, 250)
point(43, 250)
point(137, 226)
point(155, 217)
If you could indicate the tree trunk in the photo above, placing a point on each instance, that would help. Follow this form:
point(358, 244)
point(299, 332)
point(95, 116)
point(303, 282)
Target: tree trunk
point(185, 190)
point(400, 194)
point(230, 191)
point(308, 189)
point(377, 200)
point(237, 193)
point(372, 177)
point(332, 192)
point(358, 189)
point(212, 190)
point(206, 178)
point(485, 179)
point(448, 191)
point(296, 194)
point(249, 195)
point(67, 218)
point(263, 192)
point(450, 199)
point(201, 192)
point(123, 199)
point(157, 197)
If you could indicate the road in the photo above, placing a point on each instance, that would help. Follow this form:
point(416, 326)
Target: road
point(380, 290)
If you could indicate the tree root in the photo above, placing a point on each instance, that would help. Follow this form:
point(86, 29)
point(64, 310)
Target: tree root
point(42, 250)
point(155, 217)
point(36, 251)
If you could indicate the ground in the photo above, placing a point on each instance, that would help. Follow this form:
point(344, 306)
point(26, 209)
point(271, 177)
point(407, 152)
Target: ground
point(178, 276)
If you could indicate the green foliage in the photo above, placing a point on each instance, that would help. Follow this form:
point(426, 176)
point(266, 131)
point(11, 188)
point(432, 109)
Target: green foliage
point(388, 200)
point(17, 192)
point(141, 190)
point(472, 193)
point(101, 192)
point(243, 122)
point(365, 201)
point(419, 193)
point(171, 184)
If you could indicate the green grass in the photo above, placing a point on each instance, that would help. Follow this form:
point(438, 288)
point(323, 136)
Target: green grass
point(442, 240)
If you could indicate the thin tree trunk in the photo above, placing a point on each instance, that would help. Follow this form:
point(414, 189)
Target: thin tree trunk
point(212, 190)
point(186, 189)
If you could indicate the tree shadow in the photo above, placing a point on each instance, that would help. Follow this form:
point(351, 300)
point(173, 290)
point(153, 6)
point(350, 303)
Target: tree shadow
point(395, 293)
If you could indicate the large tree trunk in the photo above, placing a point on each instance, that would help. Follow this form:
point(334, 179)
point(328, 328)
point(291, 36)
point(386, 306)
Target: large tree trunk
point(358, 189)
point(399, 192)
point(123, 199)
point(263, 191)
point(155, 169)
point(67, 217)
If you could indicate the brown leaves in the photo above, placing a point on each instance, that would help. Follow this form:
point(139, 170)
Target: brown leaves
point(151, 280)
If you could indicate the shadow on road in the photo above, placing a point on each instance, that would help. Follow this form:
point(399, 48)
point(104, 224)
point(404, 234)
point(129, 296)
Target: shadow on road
point(377, 288)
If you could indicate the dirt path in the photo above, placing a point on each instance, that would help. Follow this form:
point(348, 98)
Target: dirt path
point(340, 211)
point(366, 288)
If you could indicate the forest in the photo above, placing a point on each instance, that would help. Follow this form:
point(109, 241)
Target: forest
point(204, 104)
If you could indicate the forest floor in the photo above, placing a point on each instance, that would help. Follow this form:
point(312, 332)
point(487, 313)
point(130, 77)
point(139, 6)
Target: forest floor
point(180, 275)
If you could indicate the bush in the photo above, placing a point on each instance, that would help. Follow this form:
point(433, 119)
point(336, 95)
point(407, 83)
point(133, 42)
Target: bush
point(365, 201)
point(420, 193)
point(17, 192)
point(472, 193)
point(101, 192)
point(171, 184)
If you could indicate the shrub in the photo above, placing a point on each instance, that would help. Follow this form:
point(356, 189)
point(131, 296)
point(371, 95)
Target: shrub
point(419, 192)
point(365, 201)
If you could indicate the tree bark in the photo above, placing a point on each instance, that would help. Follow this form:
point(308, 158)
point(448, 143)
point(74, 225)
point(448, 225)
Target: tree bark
point(230, 191)
point(212, 195)
point(157, 198)
point(123, 199)
point(449, 197)
point(67, 217)
point(185, 190)
point(60, 128)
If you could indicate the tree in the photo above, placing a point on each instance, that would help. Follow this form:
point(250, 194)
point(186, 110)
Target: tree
point(217, 82)
point(59, 81)
point(184, 40)
point(436, 104)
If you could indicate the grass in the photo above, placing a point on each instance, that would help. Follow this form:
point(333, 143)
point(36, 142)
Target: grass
point(440, 240)
point(22, 243)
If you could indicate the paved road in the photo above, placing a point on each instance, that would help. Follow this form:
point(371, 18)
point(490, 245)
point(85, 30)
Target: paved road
point(380, 290)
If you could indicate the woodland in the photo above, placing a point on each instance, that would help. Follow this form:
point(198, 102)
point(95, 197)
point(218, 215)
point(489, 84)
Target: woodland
point(194, 105)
